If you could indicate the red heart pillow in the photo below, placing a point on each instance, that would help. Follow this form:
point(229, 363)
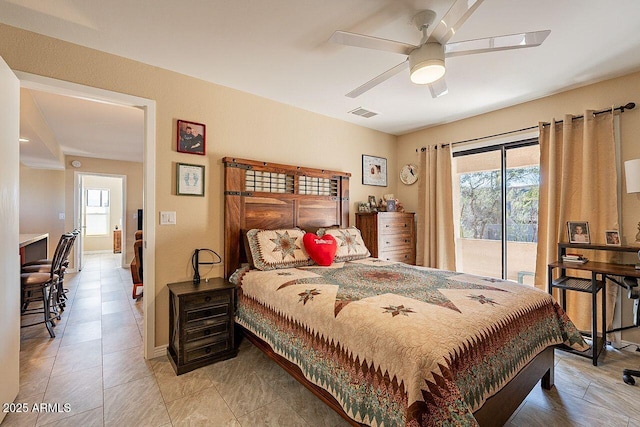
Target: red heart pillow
point(322, 250)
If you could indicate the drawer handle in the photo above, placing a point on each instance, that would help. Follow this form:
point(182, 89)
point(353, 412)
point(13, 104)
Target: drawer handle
point(387, 225)
point(405, 225)
point(406, 240)
point(388, 259)
point(406, 256)
point(207, 350)
point(387, 243)
point(207, 299)
point(207, 331)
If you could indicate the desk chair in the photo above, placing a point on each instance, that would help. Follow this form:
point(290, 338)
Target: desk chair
point(631, 284)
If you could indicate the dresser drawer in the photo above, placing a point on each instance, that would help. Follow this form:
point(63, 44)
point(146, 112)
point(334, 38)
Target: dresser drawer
point(397, 226)
point(194, 334)
point(207, 350)
point(404, 255)
point(394, 242)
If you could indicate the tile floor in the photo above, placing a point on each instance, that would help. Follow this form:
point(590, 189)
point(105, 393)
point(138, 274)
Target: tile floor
point(95, 365)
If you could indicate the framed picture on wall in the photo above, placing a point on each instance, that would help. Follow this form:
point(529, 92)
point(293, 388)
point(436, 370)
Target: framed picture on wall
point(189, 180)
point(374, 170)
point(191, 137)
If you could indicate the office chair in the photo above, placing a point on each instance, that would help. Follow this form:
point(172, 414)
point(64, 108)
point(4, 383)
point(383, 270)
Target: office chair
point(631, 284)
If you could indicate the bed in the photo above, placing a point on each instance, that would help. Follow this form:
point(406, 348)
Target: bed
point(402, 366)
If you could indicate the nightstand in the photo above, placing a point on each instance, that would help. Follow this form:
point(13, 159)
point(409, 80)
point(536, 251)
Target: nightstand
point(201, 323)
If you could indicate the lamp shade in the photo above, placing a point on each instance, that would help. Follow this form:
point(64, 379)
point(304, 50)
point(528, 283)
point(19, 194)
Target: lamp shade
point(427, 63)
point(632, 172)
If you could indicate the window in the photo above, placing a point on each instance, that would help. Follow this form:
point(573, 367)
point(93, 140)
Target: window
point(97, 212)
point(496, 192)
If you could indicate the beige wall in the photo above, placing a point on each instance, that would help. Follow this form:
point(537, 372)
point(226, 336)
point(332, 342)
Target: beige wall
point(602, 95)
point(42, 200)
point(133, 193)
point(238, 124)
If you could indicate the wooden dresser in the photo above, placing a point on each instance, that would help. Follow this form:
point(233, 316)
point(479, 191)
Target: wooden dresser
point(389, 235)
point(201, 326)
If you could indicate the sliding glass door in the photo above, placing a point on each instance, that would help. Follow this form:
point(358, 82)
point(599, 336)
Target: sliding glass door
point(496, 210)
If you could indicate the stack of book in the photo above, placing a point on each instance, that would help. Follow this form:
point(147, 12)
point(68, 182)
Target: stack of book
point(574, 258)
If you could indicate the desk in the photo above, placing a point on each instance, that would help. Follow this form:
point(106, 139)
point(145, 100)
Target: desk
point(599, 272)
point(33, 247)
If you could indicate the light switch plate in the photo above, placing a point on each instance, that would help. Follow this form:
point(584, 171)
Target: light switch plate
point(167, 218)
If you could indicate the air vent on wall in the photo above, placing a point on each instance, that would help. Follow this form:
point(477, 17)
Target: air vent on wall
point(362, 112)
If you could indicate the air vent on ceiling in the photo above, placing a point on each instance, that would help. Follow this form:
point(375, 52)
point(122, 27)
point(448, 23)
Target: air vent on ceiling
point(362, 112)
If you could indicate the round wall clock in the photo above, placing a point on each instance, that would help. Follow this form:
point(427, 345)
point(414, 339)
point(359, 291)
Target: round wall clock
point(409, 174)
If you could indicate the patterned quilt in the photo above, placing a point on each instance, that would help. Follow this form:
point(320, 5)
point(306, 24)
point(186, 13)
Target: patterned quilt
point(402, 345)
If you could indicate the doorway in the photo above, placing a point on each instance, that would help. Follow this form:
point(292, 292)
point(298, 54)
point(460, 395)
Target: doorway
point(32, 81)
point(100, 213)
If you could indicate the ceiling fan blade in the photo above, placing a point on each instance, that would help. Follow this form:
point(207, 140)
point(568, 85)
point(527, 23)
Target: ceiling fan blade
point(453, 20)
point(438, 88)
point(370, 42)
point(491, 44)
point(379, 79)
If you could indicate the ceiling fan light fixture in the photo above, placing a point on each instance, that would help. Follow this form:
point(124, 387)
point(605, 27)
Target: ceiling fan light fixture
point(427, 63)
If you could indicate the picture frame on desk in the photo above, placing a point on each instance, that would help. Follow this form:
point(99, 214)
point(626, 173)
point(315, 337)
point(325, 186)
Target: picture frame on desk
point(578, 232)
point(612, 237)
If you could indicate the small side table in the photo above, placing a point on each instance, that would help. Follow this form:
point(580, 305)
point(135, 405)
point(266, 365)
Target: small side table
point(117, 241)
point(201, 323)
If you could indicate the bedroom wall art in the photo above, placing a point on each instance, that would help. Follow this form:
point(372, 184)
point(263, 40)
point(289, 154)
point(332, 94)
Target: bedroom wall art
point(191, 137)
point(374, 170)
point(189, 180)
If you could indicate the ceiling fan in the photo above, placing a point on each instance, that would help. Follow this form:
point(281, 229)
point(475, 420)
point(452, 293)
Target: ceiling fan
point(426, 61)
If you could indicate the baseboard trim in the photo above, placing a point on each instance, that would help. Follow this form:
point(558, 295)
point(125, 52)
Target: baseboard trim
point(160, 351)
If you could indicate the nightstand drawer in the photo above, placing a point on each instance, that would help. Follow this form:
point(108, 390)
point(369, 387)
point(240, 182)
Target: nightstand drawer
point(395, 242)
point(194, 334)
point(206, 315)
point(207, 350)
point(397, 256)
point(203, 300)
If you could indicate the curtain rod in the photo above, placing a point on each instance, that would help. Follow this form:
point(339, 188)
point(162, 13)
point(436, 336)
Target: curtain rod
point(622, 108)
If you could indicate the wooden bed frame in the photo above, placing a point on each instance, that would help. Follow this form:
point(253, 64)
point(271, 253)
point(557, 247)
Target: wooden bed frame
point(271, 196)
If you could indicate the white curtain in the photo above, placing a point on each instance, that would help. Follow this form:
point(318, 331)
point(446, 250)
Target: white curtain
point(578, 182)
point(435, 240)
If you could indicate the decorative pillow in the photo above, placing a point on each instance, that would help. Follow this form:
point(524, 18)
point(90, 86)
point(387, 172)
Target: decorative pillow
point(272, 249)
point(321, 249)
point(350, 244)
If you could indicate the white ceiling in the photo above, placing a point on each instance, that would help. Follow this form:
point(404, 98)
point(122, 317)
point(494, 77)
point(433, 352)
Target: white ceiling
point(80, 127)
point(279, 49)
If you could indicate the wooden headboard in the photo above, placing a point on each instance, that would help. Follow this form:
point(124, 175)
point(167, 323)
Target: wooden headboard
point(270, 196)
